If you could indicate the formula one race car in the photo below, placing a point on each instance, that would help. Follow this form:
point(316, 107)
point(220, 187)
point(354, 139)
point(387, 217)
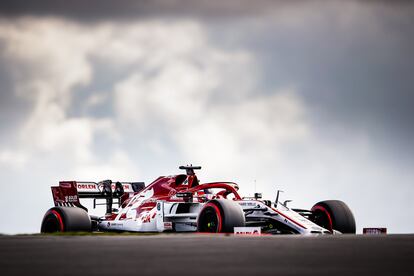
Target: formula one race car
point(179, 203)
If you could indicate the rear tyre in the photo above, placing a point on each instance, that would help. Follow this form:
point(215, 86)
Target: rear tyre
point(66, 219)
point(220, 216)
point(334, 215)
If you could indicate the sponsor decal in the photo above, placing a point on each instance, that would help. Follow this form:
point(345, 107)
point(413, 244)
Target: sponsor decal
point(86, 186)
point(146, 218)
point(115, 224)
point(247, 231)
point(250, 204)
point(125, 186)
point(65, 184)
point(374, 231)
point(168, 225)
point(71, 198)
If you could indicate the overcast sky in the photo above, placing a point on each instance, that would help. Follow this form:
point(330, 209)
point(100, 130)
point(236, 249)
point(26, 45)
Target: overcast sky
point(311, 97)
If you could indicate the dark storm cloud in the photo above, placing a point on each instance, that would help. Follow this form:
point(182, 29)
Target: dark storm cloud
point(360, 79)
point(360, 75)
point(357, 79)
point(13, 109)
point(127, 9)
point(353, 68)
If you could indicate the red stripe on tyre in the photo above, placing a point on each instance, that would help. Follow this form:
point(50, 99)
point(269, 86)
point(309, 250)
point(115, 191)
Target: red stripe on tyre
point(328, 215)
point(59, 218)
point(218, 214)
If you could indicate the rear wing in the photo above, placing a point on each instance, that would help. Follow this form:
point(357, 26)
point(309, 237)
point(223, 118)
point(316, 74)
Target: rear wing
point(68, 193)
point(104, 188)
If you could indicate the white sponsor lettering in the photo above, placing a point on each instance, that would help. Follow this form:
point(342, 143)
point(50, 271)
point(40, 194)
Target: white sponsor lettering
point(168, 225)
point(374, 231)
point(71, 198)
point(247, 231)
point(93, 187)
point(244, 203)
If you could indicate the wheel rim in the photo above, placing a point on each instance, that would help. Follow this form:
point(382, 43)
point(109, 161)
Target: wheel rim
point(323, 218)
point(52, 223)
point(210, 220)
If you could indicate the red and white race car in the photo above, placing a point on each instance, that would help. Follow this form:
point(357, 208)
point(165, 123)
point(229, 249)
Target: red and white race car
point(180, 203)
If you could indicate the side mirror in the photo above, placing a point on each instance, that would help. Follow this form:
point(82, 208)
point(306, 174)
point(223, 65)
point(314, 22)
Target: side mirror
point(286, 202)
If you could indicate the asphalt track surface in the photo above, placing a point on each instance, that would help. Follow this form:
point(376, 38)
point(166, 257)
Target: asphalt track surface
point(190, 254)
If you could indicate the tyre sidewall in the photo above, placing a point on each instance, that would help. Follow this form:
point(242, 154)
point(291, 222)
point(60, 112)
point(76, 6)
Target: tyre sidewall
point(341, 216)
point(70, 219)
point(231, 214)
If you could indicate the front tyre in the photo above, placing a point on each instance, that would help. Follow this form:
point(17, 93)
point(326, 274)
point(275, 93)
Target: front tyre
point(334, 215)
point(66, 219)
point(220, 216)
